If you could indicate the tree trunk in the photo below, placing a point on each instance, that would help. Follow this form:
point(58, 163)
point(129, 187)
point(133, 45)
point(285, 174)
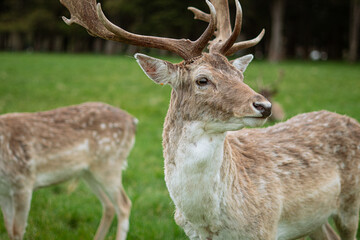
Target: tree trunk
point(97, 45)
point(276, 52)
point(15, 41)
point(354, 30)
point(112, 48)
point(58, 43)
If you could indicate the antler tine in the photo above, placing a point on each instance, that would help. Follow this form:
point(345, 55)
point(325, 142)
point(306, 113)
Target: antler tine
point(204, 39)
point(225, 40)
point(198, 14)
point(237, 29)
point(228, 48)
point(223, 27)
point(84, 14)
point(185, 48)
point(245, 44)
point(89, 15)
point(223, 22)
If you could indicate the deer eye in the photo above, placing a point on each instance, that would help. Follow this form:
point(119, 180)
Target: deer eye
point(201, 82)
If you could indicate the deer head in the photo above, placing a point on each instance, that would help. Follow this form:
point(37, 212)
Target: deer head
point(206, 86)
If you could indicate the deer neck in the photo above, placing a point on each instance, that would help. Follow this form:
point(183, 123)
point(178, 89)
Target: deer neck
point(194, 162)
point(181, 133)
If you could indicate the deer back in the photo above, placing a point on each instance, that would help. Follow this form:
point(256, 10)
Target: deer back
point(63, 140)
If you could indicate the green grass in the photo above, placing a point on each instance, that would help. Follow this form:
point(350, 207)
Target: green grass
point(37, 82)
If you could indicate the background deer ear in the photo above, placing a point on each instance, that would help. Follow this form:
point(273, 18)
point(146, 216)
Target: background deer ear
point(160, 71)
point(241, 63)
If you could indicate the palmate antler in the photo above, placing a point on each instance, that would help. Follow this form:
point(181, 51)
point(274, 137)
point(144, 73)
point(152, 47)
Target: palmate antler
point(90, 15)
point(224, 42)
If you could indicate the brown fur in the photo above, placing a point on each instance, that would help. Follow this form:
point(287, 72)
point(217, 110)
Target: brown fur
point(296, 159)
point(277, 111)
point(91, 140)
point(281, 174)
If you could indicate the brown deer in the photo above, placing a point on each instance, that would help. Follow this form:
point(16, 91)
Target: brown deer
point(269, 91)
point(281, 182)
point(91, 141)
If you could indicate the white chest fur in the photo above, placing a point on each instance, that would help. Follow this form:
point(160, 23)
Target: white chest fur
point(194, 183)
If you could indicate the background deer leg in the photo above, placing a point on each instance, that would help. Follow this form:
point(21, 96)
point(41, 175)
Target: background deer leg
point(123, 207)
point(347, 219)
point(114, 199)
point(7, 208)
point(108, 207)
point(325, 232)
point(21, 206)
point(107, 217)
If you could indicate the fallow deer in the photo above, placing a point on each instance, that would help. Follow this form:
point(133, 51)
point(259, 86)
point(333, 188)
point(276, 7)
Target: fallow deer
point(269, 91)
point(281, 182)
point(91, 141)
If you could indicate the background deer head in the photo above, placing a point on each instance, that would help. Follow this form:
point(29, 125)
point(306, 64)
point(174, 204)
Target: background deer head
point(270, 91)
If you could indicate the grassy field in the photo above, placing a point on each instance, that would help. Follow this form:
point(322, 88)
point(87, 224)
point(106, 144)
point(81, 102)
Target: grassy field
point(37, 82)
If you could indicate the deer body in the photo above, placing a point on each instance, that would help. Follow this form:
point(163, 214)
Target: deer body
point(281, 182)
point(264, 183)
point(90, 140)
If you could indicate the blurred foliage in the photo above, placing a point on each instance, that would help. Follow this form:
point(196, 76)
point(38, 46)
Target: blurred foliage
point(309, 24)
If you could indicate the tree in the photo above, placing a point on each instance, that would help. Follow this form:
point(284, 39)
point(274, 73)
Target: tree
point(276, 51)
point(354, 30)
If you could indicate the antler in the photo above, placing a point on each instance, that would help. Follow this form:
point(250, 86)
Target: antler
point(90, 15)
point(224, 42)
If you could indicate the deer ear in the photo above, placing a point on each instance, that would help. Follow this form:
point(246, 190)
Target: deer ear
point(160, 71)
point(241, 63)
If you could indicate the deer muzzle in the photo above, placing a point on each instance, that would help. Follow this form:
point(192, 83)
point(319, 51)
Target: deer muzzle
point(263, 107)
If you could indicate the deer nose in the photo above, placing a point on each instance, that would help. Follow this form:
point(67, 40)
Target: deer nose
point(263, 107)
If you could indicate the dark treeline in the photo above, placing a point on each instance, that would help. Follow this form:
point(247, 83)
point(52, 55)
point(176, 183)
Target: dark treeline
point(305, 26)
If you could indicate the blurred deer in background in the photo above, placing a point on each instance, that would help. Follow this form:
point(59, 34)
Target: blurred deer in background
point(91, 141)
point(281, 182)
point(270, 91)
